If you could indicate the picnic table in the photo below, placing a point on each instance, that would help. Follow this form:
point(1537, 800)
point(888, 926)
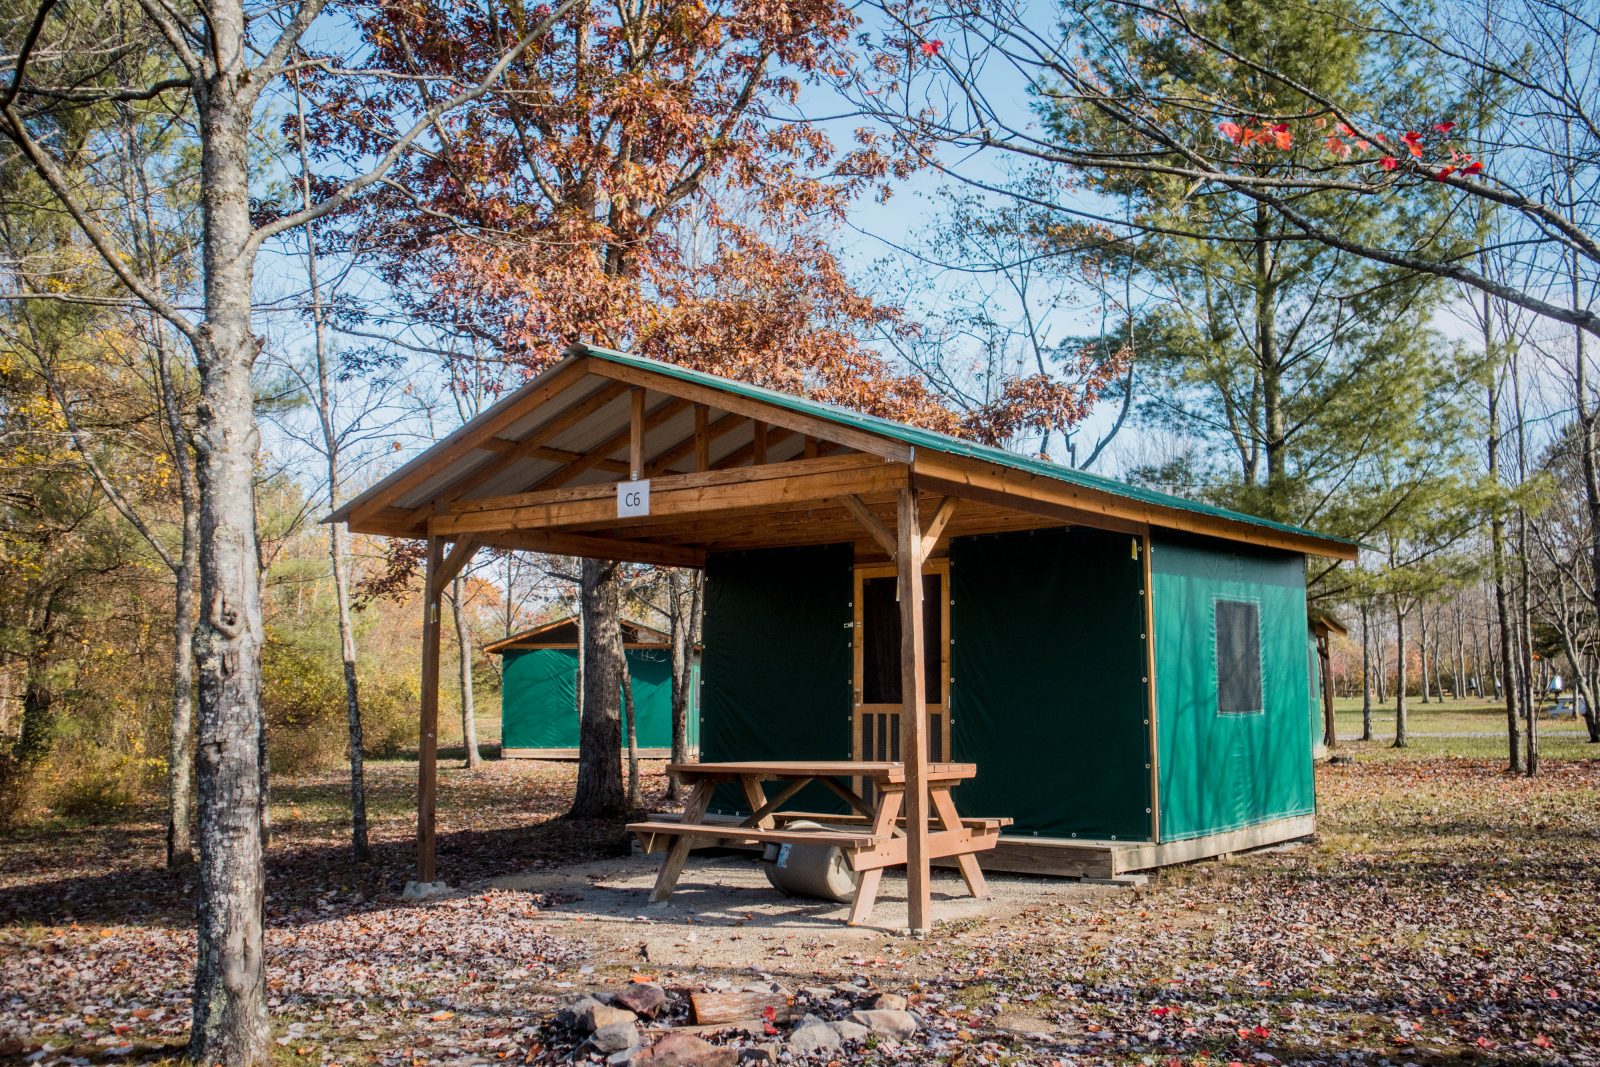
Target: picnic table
point(872, 836)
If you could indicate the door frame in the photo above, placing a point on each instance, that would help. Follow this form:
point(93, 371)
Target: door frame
point(940, 707)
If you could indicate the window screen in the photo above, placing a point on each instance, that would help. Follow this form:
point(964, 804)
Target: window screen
point(1238, 657)
point(880, 618)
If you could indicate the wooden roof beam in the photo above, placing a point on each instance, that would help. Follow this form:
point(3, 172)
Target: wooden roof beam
point(775, 485)
point(581, 545)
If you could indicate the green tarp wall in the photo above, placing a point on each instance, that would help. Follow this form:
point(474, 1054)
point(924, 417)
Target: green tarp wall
point(777, 661)
point(1047, 682)
point(1218, 771)
point(539, 698)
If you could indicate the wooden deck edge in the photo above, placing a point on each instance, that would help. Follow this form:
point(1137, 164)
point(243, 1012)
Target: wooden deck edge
point(1064, 857)
point(572, 753)
point(1142, 857)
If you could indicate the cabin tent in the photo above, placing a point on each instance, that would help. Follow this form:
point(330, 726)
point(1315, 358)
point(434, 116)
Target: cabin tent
point(539, 715)
point(1126, 669)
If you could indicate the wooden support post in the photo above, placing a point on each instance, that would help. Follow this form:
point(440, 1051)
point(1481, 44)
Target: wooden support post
point(914, 714)
point(428, 727)
point(636, 437)
point(702, 441)
point(758, 442)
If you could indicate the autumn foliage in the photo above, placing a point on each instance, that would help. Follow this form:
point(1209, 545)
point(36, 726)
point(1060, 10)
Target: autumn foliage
point(631, 182)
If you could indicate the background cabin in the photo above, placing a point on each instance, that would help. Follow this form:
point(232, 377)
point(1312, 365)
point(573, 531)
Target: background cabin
point(539, 711)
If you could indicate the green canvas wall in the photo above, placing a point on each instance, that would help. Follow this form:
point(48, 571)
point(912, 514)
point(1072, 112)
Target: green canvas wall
point(538, 698)
point(1221, 771)
point(777, 661)
point(1047, 682)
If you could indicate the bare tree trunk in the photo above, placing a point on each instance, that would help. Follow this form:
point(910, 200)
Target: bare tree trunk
point(230, 1004)
point(633, 733)
point(1497, 541)
point(1461, 649)
point(1366, 675)
point(1422, 649)
point(1530, 761)
point(599, 793)
point(1382, 676)
point(469, 712)
point(1400, 676)
point(338, 532)
point(684, 589)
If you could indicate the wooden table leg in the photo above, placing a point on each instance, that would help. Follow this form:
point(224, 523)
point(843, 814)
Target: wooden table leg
point(883, 823)
point(945, 808)
point(678, 852)
point(756, 797)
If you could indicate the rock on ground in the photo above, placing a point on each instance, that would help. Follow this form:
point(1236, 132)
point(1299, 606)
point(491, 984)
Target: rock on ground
point(644, 999)
point(886, 1022)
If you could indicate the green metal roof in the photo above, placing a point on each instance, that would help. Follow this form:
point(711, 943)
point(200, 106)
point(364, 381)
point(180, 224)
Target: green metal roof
point(937, 442)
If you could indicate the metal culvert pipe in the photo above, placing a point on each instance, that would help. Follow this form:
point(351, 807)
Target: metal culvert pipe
point(818, 871)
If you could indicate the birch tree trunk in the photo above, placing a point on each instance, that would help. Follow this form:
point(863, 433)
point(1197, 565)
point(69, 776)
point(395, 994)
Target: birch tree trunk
point(469, 712)
point(1422, 650)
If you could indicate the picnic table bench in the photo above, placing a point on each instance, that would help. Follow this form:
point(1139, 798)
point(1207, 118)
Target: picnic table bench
point(872, 838)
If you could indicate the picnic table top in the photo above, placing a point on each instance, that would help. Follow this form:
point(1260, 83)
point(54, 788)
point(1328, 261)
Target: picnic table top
point(880, 771)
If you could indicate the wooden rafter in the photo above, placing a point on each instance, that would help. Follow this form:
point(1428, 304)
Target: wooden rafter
point(776, 415)
point(746, 454)
point(534, 446)
point(484, 428)
point(684, 446)
point(655, 417)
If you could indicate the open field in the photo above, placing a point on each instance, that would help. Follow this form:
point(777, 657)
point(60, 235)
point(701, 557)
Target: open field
point(1465, 728)
point(1443, 916)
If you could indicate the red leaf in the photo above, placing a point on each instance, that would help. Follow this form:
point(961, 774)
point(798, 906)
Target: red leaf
point(1337, 147)
point(1543, 1041)
point(931, 48)
point(1231, 131)
point(1444, 127)
point(1416, 150)
point(1472, 168)
point(1160, 1011)
point(1262, 1032)
point(1443, 173)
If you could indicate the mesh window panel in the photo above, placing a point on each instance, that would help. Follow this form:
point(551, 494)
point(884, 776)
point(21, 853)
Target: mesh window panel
point(880, 618)
point(1238, 657)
